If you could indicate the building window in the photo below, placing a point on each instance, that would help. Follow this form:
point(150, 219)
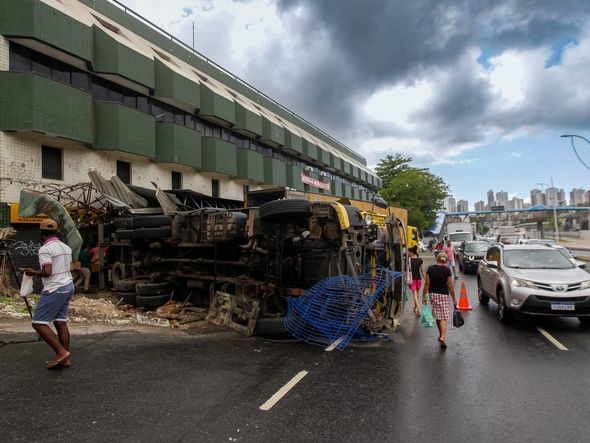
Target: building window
point(124, 171)
point(51, 163)
point(214, 188)
point(176, 180)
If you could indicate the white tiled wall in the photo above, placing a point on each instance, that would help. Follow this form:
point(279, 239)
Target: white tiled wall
point(20, 167)
point(3, 54)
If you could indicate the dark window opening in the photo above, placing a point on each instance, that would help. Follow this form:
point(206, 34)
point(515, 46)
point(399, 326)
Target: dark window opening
point(176, 180)
point(124, 171)
point(51, 163)
point(214, 188)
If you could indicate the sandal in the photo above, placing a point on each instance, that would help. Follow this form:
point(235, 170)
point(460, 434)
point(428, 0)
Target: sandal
point(54, 364)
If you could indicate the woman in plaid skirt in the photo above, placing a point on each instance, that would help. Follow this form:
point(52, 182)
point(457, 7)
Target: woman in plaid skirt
point(440, 284)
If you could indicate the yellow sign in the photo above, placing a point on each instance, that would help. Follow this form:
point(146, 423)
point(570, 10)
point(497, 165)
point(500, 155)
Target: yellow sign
point(15, 218)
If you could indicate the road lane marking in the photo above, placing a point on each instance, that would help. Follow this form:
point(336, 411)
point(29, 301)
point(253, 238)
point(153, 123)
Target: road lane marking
point(552, 339)
point(333, 345)
point(283, 391)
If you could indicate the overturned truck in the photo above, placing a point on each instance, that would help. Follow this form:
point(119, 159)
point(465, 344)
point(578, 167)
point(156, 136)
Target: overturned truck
point(244, 264)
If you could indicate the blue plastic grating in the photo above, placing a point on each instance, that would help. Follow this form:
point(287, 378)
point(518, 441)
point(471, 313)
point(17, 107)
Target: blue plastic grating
point(333, 309)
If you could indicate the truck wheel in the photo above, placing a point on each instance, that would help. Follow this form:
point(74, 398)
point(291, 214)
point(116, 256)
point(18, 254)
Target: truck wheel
point(276, 209)
point(152, 288)
point(151, 221)
point(143, 233)
point(271, 326)
point(123, 234)
point(584, 321)
point(151, 301)
point(127, 285)
point(128, 297)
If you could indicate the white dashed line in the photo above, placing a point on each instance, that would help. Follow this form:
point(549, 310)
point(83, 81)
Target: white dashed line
point(552, 339)
point(283, 391)
point(333, 345)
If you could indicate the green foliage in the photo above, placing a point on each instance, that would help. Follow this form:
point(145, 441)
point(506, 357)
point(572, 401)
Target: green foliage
point(416, 189)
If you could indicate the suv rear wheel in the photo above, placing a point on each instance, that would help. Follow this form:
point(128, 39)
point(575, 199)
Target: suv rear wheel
point(504, 315)
point(481, 296)
point(584, 321)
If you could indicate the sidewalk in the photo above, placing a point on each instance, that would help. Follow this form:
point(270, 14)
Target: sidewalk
point(575, 243)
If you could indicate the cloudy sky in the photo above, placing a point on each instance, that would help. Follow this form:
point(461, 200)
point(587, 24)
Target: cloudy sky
point(477, 90)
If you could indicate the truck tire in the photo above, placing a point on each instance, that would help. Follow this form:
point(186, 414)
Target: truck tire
point(271, 326)
point(146, 288)
point(128, 298)
point(274, 210)
point(151, 221)
point(124, 223)
point(151, 301)
point(127, 285)
point(144, 233)
point(123, 234)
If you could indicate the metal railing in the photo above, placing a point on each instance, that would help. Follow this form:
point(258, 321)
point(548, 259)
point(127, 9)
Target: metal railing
point(232, 76)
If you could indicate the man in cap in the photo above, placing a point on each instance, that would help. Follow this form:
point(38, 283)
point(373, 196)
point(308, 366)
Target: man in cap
point(55, 258)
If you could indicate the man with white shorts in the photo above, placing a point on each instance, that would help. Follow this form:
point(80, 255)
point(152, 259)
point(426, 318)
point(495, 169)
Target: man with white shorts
point(55, 258)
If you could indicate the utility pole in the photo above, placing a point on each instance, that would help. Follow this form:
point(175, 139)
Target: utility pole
point(193, 35)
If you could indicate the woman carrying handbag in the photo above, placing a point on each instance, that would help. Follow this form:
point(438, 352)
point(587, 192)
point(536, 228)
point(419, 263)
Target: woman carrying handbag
point(440, 286)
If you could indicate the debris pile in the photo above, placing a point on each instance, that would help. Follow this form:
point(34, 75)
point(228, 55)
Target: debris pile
point(13, 310)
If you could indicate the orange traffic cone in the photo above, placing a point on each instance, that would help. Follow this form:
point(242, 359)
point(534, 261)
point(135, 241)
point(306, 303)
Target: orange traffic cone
point(463, 300)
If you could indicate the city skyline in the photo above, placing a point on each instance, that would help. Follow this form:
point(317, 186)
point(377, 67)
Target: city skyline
point(547, 196)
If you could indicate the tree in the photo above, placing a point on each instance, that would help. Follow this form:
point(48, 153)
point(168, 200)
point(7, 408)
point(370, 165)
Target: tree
point(416, 189)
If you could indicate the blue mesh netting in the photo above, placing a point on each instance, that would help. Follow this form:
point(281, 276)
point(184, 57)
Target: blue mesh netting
point(333, 309)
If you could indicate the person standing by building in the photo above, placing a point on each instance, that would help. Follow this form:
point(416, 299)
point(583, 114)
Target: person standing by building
point(55, 258)
point(450, 251)
point(439, 285)
point(417, 277)
point(84, 258)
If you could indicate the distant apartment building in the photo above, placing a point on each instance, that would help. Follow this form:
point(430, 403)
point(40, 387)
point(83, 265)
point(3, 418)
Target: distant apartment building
point(578, 197)
point(501, 198)
point(450, 204)
point(561, 201)
point(537, 197)
point(462, 206)
point(480, 205)
point(516, 203)
point(490, 198)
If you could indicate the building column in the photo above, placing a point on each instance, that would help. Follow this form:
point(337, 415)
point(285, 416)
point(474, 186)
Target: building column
point(4, 54)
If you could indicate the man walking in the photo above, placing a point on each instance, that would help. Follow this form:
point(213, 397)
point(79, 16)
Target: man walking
point(55, 258)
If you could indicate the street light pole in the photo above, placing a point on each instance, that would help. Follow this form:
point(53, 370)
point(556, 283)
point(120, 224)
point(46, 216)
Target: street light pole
point(571, 137)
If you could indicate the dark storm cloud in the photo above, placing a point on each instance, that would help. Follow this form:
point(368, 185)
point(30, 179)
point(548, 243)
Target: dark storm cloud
point(379, 43)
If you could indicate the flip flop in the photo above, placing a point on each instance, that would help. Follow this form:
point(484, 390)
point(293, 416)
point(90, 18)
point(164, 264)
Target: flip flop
point(54, 364)
point(443, 345)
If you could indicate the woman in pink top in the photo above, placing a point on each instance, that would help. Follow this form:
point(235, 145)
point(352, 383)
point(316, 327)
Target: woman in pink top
point(450, 251)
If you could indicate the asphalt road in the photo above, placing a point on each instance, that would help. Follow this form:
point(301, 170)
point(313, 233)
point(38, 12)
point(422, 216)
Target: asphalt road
point(494, 383)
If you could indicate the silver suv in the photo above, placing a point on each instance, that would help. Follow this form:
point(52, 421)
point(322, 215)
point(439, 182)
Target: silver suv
point(534, 280)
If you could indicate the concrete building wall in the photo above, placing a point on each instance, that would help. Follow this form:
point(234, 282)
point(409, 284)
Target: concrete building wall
point(21, 168)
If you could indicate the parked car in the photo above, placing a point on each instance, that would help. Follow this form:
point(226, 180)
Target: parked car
point(470, 254)
point(533, 280)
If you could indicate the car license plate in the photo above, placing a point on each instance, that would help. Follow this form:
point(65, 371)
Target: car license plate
point(563, 307)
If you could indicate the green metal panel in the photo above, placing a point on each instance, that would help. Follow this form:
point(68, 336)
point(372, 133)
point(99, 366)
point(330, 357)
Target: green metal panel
point(170, 84)
point(309, 188)
point(215, 106)
point(364, 176)
point(121, 128)
point(219, 156)
point(250, 165)
point(323, 156)
point(354, 193)
point(336, 162)
point(346, 191)
point(275, 172)
point(248, 121)
point(379, 183)
point(112, 57)
point(347, 167)
point(355, 171)
point(310, 150)
point(177, 144)
point(30, 102)
point(272, 133)
point(37, 20)
point(362, 195)
point(294, 177)
point(293, 143)
point(336, 188)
